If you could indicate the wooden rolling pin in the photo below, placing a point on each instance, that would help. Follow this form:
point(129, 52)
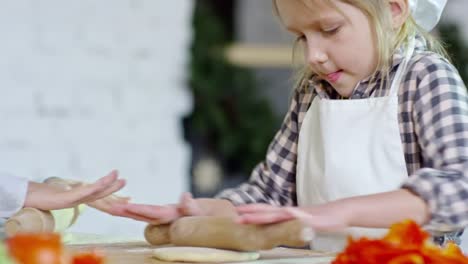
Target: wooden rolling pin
point(224, 233)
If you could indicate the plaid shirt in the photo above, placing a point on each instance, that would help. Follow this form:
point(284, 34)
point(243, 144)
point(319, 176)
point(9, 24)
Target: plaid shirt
point(433, 119)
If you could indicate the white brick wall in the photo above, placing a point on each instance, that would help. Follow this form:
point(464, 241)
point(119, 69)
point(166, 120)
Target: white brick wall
point(88, 86)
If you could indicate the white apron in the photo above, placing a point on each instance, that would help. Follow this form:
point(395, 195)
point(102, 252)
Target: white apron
point(349, 148)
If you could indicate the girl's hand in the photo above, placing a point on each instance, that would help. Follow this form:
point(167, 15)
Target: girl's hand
point(49, 197)
point(158, 215)
point(189, 206)
point(321, 218)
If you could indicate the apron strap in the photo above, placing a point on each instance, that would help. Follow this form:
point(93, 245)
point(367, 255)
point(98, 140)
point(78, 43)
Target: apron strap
point(402, 68)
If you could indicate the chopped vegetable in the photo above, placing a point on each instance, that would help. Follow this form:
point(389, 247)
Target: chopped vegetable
point(4, 256)
point(88, 258)
point(43, 248)
point(406, 243)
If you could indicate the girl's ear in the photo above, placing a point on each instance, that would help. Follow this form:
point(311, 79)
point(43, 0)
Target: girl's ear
point(400, 12)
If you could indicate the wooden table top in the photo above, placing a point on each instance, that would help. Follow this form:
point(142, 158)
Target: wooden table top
point(141, 253)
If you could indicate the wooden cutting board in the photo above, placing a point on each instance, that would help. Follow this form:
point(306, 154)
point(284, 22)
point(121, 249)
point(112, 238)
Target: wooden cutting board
point(140, 253)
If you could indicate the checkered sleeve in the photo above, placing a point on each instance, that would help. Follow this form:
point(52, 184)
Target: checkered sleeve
point(273, 181)
point(440, 114)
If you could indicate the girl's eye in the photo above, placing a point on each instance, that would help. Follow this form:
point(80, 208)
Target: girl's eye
point(332, 31)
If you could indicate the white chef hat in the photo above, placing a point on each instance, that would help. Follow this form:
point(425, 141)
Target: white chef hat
point(427, 12)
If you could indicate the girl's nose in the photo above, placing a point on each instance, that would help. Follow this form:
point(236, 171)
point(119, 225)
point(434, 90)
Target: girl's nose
point(315, 50)
point(316, 56)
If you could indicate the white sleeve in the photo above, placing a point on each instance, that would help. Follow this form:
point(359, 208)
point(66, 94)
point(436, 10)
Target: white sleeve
point(12, 194)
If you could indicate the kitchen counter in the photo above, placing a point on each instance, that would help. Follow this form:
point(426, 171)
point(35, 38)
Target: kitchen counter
point(140, 253)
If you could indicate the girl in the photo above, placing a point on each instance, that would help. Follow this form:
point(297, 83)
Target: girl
point(377, 130)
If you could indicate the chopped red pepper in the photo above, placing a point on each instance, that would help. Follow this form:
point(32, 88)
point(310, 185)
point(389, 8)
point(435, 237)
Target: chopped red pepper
point(405, 243)
point(88, 258)
point(40, 248)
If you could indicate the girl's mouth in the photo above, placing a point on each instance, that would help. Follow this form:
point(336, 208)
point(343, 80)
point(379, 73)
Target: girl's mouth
point(334, 76)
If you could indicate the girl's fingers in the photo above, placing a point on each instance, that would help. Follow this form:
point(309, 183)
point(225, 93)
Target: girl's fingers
point(257, 208)
point(186, 196)
point(188, 206)
point(151, 220)
point(298, 213)
point(148, 210)
point(148, 220)
point(264, 218)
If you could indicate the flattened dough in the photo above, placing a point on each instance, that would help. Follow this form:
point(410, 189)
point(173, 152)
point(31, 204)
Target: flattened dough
point(200, 254)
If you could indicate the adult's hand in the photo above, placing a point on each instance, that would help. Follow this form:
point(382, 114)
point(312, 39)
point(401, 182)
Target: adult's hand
point(49, 197)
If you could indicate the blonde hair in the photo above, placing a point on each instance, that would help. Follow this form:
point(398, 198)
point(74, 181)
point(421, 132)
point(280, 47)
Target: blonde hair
point(387, 41)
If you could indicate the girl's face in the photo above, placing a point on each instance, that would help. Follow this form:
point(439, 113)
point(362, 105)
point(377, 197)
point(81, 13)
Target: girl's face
point(340, 46)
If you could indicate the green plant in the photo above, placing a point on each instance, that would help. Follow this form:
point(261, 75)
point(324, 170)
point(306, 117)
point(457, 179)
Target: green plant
point(456, 47)
point(230, 116)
